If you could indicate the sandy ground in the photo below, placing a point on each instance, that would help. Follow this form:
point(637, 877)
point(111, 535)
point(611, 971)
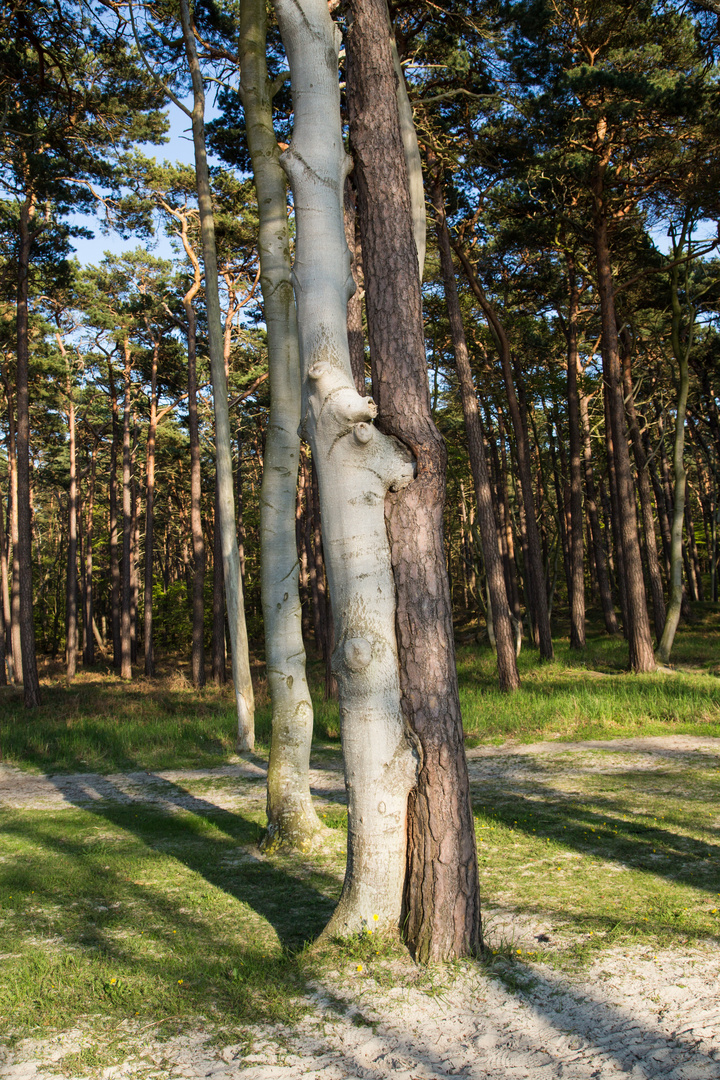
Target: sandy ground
point(634, 1012)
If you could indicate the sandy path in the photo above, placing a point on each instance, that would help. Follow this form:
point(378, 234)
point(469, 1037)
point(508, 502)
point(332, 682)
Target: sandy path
point(634, 1013)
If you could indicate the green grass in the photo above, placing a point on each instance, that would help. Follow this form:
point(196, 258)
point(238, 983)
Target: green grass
point(589, 694)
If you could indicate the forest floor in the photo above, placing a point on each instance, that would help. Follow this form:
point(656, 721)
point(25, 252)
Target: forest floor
point(143, 933)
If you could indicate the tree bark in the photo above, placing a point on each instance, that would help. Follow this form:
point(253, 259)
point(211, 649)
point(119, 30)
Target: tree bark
point(125, 628)
point(219, 673)
point(508, 677)
point(31, 683)
point(71, 606)
point(6, 660)
point(356, 466)
point(441, 897)
point(643, 483)
point(292, 819)
point(577, 549)
point(642, 658)
point(148, 644)
point(601, 569)
point(198, 542)
point(535, 577)
point(113, 525)
point(11, 600)
point(88, 606)
point(242, 679)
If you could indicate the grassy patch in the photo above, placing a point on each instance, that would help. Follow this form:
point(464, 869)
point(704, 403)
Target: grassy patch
point(601, 855)
point(135, 913)
point(589, 694)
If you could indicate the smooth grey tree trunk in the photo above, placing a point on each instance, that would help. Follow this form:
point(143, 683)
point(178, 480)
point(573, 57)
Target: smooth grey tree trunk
point(242, 679)
point(292, 819)
point(356, 466)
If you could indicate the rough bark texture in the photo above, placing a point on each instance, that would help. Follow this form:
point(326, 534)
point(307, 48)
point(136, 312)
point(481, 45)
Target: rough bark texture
point(441, 898)
point(292, 819)
point(507, 664)
point(198, 542)
point(219, 673)
point(31, 684)
point(6, 674)
point(113, 523)
point(577, 547)
point(150, 522)
point(356, 337)
point(638, 623)
point(643, 485)
point(125, 628)
point(535, 584)
point(71, 584)
point(88, 606)
point(601, 568)
point(14, 648)
point(356, 466)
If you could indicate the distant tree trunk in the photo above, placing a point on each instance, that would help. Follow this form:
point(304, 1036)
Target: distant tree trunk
point(242, 678)
point(614, 513)
point(198, 542)
point(577, 552)
point(441, 897)
point(356, 337)
point(642, 658)
point(6, 661)
point(148, 644)
point(113, 526)
point(601, 570)
point(643, 482)
point(219, 673)
point(134, 551)
point(507, 664)
point(88, 606)
point(535, 583)
point(681, 350)
point(71, 606)
point(125, 627)
point(12, 628)
point(31, 683)
point(292, 818)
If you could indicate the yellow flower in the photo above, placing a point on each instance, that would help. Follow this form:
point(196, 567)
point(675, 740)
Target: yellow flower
point(180, 982)
point(113, 981)
point(359, 967)
point(376, 917)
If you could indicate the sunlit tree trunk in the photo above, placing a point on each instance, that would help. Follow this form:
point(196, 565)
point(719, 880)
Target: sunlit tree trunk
point(71, 606)
point(292, 819)
point(88, 605)
point(442, 897)
point(242, 679)
point(356, 466)
point(113, 524)
point(577, 549)
point(125, 628)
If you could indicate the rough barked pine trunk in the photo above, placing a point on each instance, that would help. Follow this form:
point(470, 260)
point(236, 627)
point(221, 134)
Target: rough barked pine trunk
point(356, 467)
point(148, 644)
point(577, 547)
point(292, 819)
point(643, 485)
point(242, 679)
point(442, 902)
point(638, 622)
point(71, 581)
point(601, 567)
point(125, 616)
point(507, 664)
point(219, 673)
point(89, 603)
point(535, 576)
point(14, 651)
point(196, 530)
point(681, 351)
point(31, 683)
point(113, 523)
point(6, 662)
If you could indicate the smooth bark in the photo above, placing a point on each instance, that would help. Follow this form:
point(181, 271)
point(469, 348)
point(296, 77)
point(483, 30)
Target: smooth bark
point(292, 819)
point(356, 466)
point(242, 679)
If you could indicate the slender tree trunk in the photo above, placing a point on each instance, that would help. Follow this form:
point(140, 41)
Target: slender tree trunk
point(601, 569)
point(441, 898)
point(31, 683)
point(356, 466)
point(125, 627)
point(507, 664)
point(134, 551)
point(219, 673)
point(71, 607)
point(681, 351)
point(612, 511)
point(292, 819)
point(242, 678)
point(113, 529)
point(577, 552)
point(638, 623)
point(6, 659)
point(148, 644)
point(643, 482)
point(198, 542)
point(356, 337)
point(11, 656)
point(88, 606)
point(535, 583)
